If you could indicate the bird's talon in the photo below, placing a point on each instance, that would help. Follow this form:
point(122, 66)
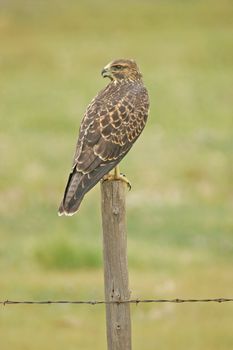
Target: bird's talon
point(121, 177)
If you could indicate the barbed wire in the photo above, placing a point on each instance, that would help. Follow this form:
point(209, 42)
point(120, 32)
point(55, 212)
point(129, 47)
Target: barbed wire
point(130, 301)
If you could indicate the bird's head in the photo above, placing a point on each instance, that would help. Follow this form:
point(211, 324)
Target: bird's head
point(122, 69)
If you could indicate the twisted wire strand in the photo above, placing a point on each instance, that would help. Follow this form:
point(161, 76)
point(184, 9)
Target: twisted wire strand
point(130, 301)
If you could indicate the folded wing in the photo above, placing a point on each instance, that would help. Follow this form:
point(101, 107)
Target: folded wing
point(109, 128)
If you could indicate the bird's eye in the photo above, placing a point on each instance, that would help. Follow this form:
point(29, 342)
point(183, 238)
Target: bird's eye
point(118, 67)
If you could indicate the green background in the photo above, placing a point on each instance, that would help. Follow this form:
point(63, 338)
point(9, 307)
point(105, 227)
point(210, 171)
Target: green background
point(179, 211)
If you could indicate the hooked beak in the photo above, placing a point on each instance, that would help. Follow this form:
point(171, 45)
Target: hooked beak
point(106, 73)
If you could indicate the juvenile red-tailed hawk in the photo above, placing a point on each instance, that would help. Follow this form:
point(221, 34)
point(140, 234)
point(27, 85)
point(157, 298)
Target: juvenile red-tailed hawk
point(110, 126)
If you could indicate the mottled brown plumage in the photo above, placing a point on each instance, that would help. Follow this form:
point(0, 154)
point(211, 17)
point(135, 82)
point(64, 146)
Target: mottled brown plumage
point(111, 124)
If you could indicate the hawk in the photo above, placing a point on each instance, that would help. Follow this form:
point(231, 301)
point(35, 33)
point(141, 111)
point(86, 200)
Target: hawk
point(111, 124)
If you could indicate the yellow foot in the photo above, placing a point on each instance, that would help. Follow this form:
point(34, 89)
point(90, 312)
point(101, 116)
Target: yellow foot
point(118, 177)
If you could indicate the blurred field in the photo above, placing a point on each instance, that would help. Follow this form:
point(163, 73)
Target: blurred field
point(180, 208)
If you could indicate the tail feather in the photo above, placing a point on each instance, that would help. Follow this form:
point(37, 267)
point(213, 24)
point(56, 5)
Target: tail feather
point(71, 200)
point(77, 186)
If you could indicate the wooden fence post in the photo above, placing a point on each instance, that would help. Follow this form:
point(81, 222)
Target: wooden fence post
point(115, 265)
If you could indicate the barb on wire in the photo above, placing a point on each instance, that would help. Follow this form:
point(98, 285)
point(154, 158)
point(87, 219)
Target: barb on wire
point(130, 301)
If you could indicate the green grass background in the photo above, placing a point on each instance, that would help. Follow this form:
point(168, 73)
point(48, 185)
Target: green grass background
point(180, 208)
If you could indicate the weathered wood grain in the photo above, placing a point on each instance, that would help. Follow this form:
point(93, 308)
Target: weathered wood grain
point(115, 265)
